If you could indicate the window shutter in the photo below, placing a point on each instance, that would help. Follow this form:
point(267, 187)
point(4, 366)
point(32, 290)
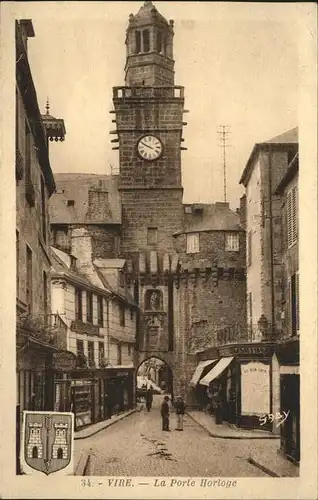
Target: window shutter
point(288, 307)
point(193, 243)
point(297, 301)
point(294, 213)
point(289, 219)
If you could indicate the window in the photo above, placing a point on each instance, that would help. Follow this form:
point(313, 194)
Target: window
point(89, 307)
point(249, 248)
point(45, 297)
point(101, 352)
point(78, 304)
point(121, 315)
point(70, 203)
point(193, 243)
point(29, 279)
point(294, 299)
point(17, 258)
point(129, 349)
point(118, 354)
point(151, 235)
point(100, 310)
point(138, 42)
point(232, 242)
point(43, 209)
point(188, 209)
point(145, 40)
point(292, 216)
point(79, 347)
point(131, 314)
point(90, 351)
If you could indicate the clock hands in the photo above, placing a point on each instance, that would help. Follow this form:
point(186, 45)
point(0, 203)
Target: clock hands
point(146, 145)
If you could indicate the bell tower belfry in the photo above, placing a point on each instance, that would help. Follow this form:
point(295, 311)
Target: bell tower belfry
point(149, 43)
point(149, 124)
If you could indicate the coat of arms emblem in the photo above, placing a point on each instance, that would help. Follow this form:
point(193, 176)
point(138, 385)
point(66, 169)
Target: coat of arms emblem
point(47, 442)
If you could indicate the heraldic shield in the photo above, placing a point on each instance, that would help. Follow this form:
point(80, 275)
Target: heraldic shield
point(47, 444)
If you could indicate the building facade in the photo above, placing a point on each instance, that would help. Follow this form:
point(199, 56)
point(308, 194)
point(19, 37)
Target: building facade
point(288, 340)
point(182, 264)
point(100, 333)
point(272, 265)
point(37, 339)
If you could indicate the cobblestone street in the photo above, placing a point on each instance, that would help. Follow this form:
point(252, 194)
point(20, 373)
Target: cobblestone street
point(136, 446)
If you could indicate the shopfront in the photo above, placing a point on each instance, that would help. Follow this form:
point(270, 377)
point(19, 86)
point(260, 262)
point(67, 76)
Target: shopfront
point(288, 357)
point(239, 384)
point(96, 395)
point(119, 389)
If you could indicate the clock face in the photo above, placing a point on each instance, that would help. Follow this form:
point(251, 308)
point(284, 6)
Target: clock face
point(149, 147)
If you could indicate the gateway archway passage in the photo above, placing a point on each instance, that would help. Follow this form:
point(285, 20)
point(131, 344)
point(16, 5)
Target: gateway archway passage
point(155, 374)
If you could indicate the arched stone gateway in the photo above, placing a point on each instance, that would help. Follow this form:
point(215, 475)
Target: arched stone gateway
point(154, 370)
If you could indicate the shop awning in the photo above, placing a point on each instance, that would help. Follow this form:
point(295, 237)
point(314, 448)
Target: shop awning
point(216, 370)
point(198, 371)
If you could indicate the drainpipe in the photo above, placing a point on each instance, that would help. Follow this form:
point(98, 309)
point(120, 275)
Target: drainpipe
point(271, 239)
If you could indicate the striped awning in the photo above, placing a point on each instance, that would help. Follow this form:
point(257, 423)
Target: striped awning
point(199, 370)
point(216, 370)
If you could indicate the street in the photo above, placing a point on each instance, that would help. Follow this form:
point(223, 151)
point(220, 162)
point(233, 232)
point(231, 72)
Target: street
point(136, 446)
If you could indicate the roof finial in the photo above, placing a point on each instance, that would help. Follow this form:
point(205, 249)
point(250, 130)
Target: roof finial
point(47, 107)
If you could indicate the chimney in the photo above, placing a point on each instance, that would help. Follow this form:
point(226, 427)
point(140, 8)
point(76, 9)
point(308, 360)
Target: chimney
point(81, 247)
point(242, 210)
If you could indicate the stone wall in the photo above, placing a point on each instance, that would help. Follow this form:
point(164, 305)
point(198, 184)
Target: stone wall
point(142, 209)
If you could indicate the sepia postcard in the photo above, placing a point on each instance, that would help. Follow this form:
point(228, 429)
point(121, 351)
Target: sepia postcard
point(158, 227)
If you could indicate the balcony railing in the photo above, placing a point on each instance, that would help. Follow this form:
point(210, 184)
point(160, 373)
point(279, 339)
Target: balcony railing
point(176, 92)
point(251, 333)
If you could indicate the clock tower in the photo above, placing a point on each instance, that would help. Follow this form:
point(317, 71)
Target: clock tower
point(149, 121)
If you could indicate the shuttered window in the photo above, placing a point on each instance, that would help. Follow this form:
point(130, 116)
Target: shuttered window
point(292, 228)
point(193, 243)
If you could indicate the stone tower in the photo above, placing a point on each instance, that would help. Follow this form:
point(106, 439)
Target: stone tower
point(149, 122)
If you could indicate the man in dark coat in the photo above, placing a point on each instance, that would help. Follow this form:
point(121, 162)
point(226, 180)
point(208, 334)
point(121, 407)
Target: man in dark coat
point(149, 399)
point(165, 413)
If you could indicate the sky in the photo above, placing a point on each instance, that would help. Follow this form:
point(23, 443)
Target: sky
point(237, 62)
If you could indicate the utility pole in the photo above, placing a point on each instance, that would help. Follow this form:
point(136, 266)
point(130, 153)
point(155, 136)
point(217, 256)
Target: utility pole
point(223, 133)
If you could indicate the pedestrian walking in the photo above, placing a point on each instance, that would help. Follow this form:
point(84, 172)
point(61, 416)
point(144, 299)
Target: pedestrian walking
point(180, 409)
point(149, 399)
point(165, 413)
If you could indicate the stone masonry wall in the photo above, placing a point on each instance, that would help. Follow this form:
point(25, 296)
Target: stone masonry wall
point(161, 209)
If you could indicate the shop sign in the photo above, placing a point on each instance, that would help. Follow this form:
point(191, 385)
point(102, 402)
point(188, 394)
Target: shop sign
point(255, 389)
point(243, 350)
point(64, 361)
point(122, 374)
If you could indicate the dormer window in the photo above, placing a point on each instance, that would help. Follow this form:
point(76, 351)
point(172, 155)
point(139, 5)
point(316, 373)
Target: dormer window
point(145, 40)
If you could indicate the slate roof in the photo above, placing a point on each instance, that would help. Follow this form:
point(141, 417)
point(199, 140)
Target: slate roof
point(147, 14)
point(287, 138)
point(215, 217)
point(74, 188)
point(61, 268)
